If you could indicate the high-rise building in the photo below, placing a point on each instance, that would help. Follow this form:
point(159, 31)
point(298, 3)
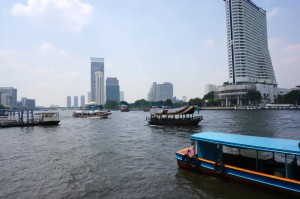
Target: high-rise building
point(209, 88)
point(249, 61)
point(69, 102)
point(28, 103)
point(247, 41)
point(97, 64)
point(82, 100)
point(152, 93)
point(160, 92)
point(75, 105)
point(121, 95)
point(10, 96)
point(99, 83)
point(112, 89)
point(89, 94)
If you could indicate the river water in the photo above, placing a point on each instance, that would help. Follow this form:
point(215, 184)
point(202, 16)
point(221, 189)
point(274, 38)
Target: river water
point(124, 157)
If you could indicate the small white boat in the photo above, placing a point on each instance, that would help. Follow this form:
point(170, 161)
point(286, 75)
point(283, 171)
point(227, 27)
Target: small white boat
point(92, 114)
point(47, 118)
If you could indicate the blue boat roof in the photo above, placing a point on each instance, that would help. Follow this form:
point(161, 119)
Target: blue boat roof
point(250, 142)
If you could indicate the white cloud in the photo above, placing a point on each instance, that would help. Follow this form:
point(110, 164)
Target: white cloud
point(286, 59)
point(45, 70)
point(69, 75)
point(48, 48)
point(275, 11)
point(209, 43)
point(293, 49)
point(72, 15)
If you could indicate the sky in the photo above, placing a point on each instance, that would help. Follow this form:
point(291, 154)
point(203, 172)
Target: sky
point(46, 45)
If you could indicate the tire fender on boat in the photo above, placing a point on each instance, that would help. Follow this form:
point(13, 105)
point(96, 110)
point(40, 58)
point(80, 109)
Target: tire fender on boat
point(194, 161)
point(219, 167)
point(186, 159)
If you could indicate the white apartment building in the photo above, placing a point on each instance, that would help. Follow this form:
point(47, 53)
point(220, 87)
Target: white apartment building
point(249, 61)
point(160, 92)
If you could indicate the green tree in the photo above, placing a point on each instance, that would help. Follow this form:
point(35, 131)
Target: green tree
point(209, 96)
point(191, 102)
point(141, 103)
point(253, 96)
point(292, 97)
point(124, 103)
point(111, 104)
point(168, 102)
point(197, 101)
point(2, 107)
point(158, 103)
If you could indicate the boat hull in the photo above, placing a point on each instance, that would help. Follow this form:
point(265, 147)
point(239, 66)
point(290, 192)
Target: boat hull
point(175, 122)
point(269, 182)
point(49, 123)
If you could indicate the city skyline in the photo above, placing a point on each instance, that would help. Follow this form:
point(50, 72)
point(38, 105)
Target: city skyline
point(141, 42)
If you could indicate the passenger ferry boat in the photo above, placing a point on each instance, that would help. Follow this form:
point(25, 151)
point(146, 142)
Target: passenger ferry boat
point(268, 162)
point(98, 114)
point(183, 116)
point(47, 118)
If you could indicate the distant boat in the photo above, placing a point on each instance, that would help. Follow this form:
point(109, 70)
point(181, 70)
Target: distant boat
point(47, 118)
point(124, 108)
point(183, 116)
point(99, 114)
point(266, 162)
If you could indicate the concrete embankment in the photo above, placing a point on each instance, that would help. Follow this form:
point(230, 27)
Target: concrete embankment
point(217, 108)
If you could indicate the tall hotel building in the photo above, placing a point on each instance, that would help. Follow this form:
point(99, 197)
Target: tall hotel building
point(97, 65)
point(249, 62)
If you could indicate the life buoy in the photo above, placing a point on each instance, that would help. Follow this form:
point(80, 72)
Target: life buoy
point(219, 167)
point(186, 159)
point(194, 161)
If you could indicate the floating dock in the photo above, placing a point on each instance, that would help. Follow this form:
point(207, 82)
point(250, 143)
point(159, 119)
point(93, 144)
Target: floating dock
point(25, 117)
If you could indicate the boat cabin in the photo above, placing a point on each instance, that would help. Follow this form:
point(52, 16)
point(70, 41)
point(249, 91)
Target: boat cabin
point(175, 116)
point(279, 157)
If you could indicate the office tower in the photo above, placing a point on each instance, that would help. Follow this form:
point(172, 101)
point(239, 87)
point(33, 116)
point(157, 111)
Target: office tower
point(184, 98)
point(112, 89)
point(121, 95)
point(249, 61)
point(99, 83)
point(247, 41)
point(152, 93)
point(97, 64)
point(89, 94)
point(209, 88)
point(82, 100)
point(75, 105)
point(9, 94)
point(69, 101)
point(160, 92)
point(28, 103)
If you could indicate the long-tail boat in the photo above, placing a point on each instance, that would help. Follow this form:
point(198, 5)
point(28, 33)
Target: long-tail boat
point(183, 116)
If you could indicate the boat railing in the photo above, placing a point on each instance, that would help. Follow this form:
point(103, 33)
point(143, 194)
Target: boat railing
point(158, 118)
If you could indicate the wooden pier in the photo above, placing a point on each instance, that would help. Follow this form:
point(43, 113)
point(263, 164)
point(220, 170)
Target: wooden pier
point(24, 118)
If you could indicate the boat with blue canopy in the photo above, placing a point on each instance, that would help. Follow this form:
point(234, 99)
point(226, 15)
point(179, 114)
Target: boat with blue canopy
point(268, 162)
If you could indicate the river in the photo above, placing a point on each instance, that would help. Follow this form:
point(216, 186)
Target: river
point(124, 157)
